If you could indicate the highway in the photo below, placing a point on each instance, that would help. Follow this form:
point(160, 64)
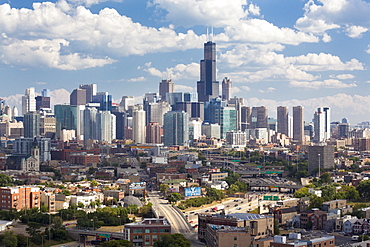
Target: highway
point(178, 224)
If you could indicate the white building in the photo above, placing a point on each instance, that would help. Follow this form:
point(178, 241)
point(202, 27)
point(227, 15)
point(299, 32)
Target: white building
point(86, 199)
point(236, 139)
point(127, 102)
point(138, 126)
point(29, 101)
point(322, 124)
point(211, 130)
point(106, 124)
point(195, 129)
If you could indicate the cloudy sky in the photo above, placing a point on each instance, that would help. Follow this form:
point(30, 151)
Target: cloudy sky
point(282, 52)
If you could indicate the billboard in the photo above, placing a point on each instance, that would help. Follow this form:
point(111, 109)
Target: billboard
point(192, 191)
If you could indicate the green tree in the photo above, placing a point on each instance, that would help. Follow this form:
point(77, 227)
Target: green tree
point(233, 188)
point(364, 189)
point(117, 243)
point(80, 205)
point(91, 170)
point(350, 193)
point(10, 239)
point(174, 197)
point(5, 180)
point(172, 240)
point(163, 188)
point(242, 186)
point(315, 201)
point(215, 194)
point(66, 192)
point(325, 178)
point(94, 183)
point(302, 192)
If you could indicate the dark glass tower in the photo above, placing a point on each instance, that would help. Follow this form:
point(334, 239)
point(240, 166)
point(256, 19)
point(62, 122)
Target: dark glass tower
point(208, 87)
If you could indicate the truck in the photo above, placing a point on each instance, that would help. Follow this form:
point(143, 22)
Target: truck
point(354, 238)
point(218, 208)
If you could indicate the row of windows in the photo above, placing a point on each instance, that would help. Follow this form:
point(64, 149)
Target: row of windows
point(148, 230)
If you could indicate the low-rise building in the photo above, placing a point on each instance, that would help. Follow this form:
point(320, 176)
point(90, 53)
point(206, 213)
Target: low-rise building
point(146, 232)
point(283, 241)
point(20, 197)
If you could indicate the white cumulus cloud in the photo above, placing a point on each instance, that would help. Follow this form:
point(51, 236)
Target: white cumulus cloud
point(329, 83)
point(356, 31)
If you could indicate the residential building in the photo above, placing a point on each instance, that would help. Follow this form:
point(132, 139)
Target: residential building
point(153, 133)
point(322, 124)
point(48, 199)
point(314, 219)
point(236, 139)
point(138, 126)
point(146, 232)
point(320, 157)
point(176, 128)
point(31, 124)
point(20, 197)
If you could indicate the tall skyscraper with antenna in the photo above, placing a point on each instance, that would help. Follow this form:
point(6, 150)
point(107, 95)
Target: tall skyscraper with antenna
point(208, 86)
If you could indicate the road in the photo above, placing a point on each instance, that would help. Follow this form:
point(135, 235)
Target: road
point(178, 224)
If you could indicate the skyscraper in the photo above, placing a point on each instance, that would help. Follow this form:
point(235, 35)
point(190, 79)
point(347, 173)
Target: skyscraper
point(282, 120)
point(208, 87)
point(176, 128)
point(153, 133)
point(91, 90)
point(166, 86)
point(259, 117)
point(138, 126)
point(322, 124)
point(29, 101)
point(298, 123)
point(104, 99)
point(42, 102)
point(245, 117)
point(226, 89)
point(127, 102)
point(31, 125)
point(106, 126)
point(78, 97)
point(90, 124)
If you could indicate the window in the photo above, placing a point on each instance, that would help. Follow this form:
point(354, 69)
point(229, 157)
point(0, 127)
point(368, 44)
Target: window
point(166, 230)
point(154, 230)
point(147, 230)
point(147, 237)
point(138, 231)
point(161, 230)
point(154, 237)
point(147, 243)
point(235, 238)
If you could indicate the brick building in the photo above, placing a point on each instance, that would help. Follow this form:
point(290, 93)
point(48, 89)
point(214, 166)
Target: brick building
point(146, 232)
point(20, 197)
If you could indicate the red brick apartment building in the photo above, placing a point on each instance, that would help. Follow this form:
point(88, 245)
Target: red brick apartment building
point(20, 197)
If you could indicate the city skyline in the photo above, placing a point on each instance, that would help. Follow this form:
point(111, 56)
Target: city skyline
point(284, 53)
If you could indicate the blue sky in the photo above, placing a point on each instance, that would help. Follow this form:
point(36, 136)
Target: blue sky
point(281, 52)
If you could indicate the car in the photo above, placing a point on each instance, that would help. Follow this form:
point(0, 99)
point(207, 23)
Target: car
point(191, 221)
point(191, 212)
point(236, 205)
point(206, 211)
point(241, 201)
point(239, 208)
point(195, 226)
point(236, 200)
point(196, 214)
point(186, 215)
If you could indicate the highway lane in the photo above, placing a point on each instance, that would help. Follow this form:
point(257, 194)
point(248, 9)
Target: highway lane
point(178, 224)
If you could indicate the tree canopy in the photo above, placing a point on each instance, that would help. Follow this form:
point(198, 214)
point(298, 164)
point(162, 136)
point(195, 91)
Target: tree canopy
point(172, 240)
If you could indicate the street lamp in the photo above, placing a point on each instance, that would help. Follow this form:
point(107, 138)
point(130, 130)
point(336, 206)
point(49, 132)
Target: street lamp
point(319, 164)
